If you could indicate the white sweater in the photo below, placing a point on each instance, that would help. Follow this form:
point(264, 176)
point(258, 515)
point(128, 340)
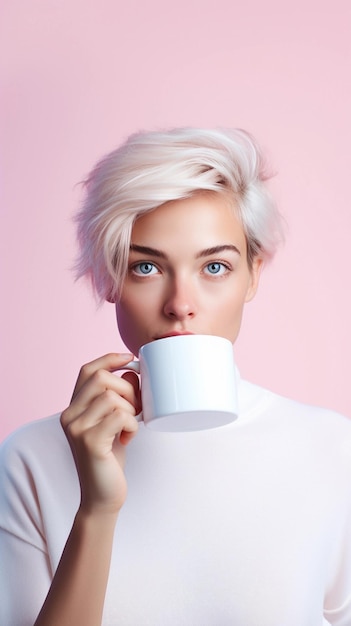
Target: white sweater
point(244, 525)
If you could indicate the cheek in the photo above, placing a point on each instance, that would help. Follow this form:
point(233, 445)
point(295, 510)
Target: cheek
point(230, 315)
point(126, 326)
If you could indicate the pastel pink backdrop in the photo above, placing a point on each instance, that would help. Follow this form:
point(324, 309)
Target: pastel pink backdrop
point(77, 78)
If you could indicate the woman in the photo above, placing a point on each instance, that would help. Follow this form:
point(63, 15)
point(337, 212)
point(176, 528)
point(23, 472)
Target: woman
point(248, 524)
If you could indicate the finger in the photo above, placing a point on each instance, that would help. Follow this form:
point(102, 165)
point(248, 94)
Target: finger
point(75, 423)
point(99, 440)
point(127, 435)
point(100, 460)
point(109, 362)
point(117, 424)
point(98, 383)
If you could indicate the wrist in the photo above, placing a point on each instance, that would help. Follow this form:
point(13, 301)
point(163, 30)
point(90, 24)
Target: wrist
point(96, 515)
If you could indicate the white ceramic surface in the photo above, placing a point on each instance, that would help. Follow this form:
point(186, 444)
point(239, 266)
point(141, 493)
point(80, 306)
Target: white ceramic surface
point(187, 383)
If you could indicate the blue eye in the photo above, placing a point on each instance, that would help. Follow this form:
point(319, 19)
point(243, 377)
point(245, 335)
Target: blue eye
point(216, 268)
point(144, 269)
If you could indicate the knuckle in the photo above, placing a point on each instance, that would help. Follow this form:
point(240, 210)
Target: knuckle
point(81, 437)
point(99, 377)
point(109, 397)
point(65, 417)
point(133, 424)
point(85, 371)
point(73, 429)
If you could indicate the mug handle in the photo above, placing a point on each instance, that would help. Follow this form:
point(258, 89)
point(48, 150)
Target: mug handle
point(132, 365)
point(135, 367)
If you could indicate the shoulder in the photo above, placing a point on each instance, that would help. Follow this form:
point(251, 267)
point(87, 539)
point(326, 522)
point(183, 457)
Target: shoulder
point(45, 425)
point(323, 431)
point(35, 462)
point(35, 445)
point(257, 400)
point(33, 432)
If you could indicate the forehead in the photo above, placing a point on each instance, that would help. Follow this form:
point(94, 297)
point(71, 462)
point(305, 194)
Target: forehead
point(204, 220)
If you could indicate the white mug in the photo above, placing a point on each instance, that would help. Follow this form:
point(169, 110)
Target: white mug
point(187, 383)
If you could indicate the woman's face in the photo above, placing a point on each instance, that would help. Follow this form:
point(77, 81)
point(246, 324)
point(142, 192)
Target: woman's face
point(187, 273)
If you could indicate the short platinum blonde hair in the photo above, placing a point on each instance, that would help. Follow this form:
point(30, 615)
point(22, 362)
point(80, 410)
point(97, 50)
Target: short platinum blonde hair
point(152, 168)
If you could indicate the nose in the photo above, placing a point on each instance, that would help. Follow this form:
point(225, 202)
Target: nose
point(180, 301)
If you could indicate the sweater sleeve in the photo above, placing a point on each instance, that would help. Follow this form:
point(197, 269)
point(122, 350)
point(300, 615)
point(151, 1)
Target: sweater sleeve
point(24, 580)
point(25, 572)
point(337, 606)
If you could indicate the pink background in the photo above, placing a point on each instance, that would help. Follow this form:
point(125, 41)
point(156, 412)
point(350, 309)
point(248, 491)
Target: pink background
point(77, 77)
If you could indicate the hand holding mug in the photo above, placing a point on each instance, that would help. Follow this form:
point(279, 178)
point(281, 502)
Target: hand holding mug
point(98, 423)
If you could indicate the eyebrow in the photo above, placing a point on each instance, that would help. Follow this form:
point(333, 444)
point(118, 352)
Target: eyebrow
point(203, 253)
point(218, 250)
point(147, 250)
